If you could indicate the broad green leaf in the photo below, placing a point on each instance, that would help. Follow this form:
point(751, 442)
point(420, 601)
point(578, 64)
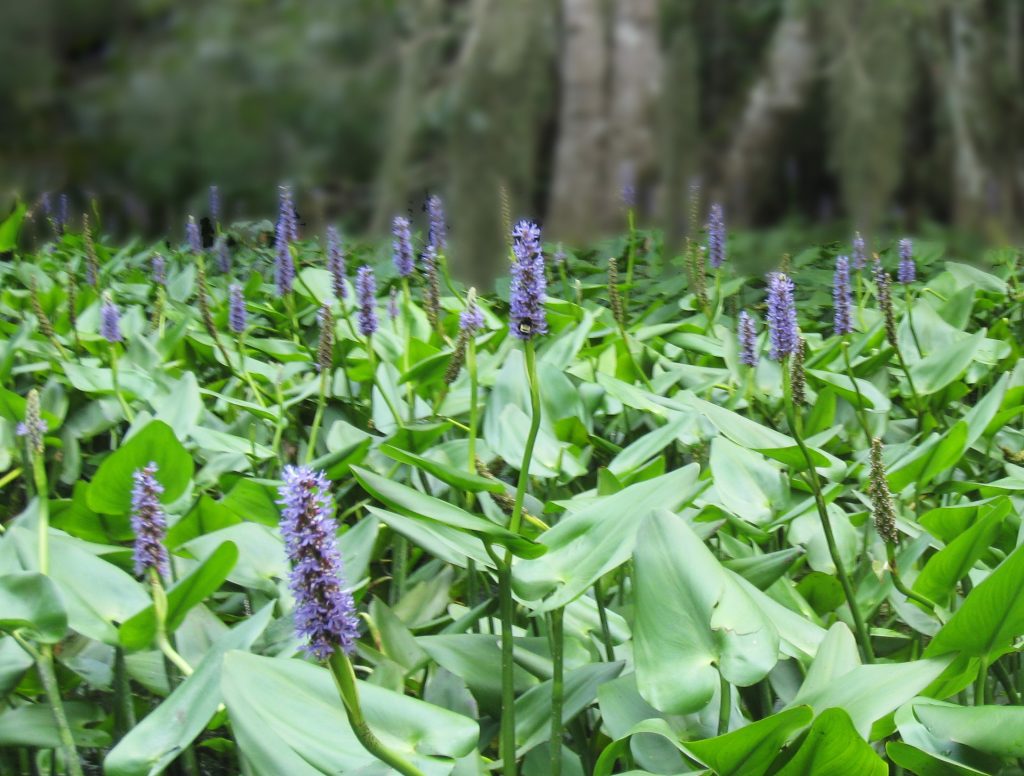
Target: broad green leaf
point(990, 618)
point(288, 719)
point(139, 631)
point(476, 659)
point(472, 483)
point(588, 543)
point(870, 397)
point(693, 621)
point(924, 763)
point(834, 748)
point(33, 725)
point(937, 370)
point(110, 492)
point(995, 730)
point(750, 750)
point(162, 735)
point(745, 482)
point(416, 504)
point(30, 602)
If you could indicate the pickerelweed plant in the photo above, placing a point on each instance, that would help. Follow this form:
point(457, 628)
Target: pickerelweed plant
point(507, 532)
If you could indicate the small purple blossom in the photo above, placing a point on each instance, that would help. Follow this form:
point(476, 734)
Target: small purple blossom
point(747, 335)
point(437, 235)
point(149, 523)
point(529, 283)
point(471, 320)
point(195, 240)
point(782, 324)
point(860, 251)
point(159, 268)
point(336, 263)
point(214, 204)
point(236, 309)
point(907, 272)
point(110, 320)
point(324, 610)
point(716, 236)
point(401, 246)
point(223, 255)
point(393, 303)
point(284, 266)
point(366, 294)
point(842, 297)
point(287, 219)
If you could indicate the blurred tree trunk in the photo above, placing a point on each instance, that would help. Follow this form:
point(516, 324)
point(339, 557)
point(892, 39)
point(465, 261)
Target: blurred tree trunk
point(578, 185)
point(500, 96)
point(634, 101)
point(680, 133)
point(869, 73)
point(777, 94)
point(418, 58)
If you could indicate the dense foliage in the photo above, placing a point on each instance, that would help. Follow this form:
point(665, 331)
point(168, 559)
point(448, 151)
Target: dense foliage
point(667, 541)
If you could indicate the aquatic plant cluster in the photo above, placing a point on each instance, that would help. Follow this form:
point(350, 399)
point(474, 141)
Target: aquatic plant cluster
point(286, 503)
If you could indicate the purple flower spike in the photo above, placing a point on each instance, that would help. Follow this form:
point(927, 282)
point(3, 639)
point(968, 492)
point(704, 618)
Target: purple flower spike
point(236, 309)
point(716, 236)
point(195, 240)
point(748, 339)
point(324, 610)
point(336, 263)
point(627, 181)
point(159, 268)
point(907, 272)
point(471, 320)
point(366, 294)
point(110, 320)
point(286, 215)
point(149, 523)
point(860, 251)
point(781, 316)
point(284, 267)
point(401, 246)
point(214, 204)
point(842, 297)
point(223, 255)
point(438, 234)
point(529, 283)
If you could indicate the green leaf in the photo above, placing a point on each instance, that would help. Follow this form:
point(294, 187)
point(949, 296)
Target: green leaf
point(750, 750)
point(745, 482)
point(110, 492)
point(927, 763)
point(33, 725)
point(995, 730)
point(833, 748)
point(949, 565)
point(870, 397)
point(990, 618)
point(588, 543)
point(139, 631)
point(692, 621)
point(173, 725)
point(11, 227)
point(937, 370)
point(457, 478)
point(416, 504)
point(288, 719)
point(30, 601)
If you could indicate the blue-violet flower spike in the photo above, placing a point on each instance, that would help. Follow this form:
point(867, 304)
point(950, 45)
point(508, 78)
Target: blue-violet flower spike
point(842, 298)
point(716, 236)
point(401, 246)
point(195, 240)
point(236, 309)
point(907, 272)
point(438, 233)
point(336, 263)
point(110, 320)
point(366, 295)
point(149, 523)
point(860, 251)
point(748, 340)
point(529, 283)
point(782, 324)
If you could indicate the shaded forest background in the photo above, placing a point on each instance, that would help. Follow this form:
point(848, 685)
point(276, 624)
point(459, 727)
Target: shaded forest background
point(879, 114)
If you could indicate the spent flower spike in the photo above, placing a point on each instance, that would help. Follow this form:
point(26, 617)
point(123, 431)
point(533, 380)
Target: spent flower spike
point(782, 326)
point(529, 283)
point(324, 609)
point(149, 523)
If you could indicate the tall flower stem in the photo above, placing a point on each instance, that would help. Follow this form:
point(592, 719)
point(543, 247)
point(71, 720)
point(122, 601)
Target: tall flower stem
point(160, 615)
point(474, 410)
point(859, 410)
point(910, 320)
point(256, 392)
point(897, 580)
point(556, 638)
point(124, 712)
point(373, 381)
point(117, 385)
point(863, 637)
point(318, 417)
point(407, 327)
point(508, 721)
point(345, 680)
point(724, 704)
point(630, 258)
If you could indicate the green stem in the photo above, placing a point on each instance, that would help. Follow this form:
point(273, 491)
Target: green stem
point(910, 322)
point(124, 711)
point(256, 392)
point(863, 637)
point(474, 410)
point(373, 381)
point(117, 385)
point(407, 327)
point(345, 681)
point(897, 581)
point(980, 684)
point(43, 514)
point(606, 632)
point(531, 437)
point(318, 417)
point(556, 636)
point(160, 615)
point(859, 409)
point(44, 664)
point(724, 704)
point(630, 261)
point(1007, 682)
